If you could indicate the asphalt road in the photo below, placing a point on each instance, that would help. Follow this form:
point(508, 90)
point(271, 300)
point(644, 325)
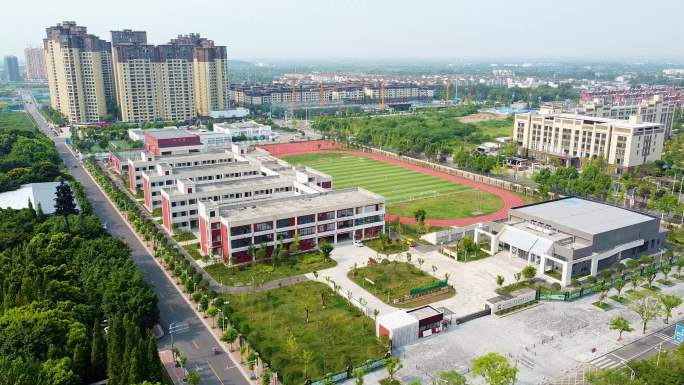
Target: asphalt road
point(640, 349)
point(197, 342)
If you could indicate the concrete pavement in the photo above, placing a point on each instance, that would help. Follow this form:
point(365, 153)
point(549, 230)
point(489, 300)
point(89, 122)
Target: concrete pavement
point(197, 342)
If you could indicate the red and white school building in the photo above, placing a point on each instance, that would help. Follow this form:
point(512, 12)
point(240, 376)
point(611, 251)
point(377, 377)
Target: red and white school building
point(228, 230)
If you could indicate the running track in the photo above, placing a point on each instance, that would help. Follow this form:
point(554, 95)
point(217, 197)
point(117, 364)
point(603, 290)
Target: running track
point(510, 199)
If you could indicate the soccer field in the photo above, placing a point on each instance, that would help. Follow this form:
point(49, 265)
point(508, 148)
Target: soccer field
point(405, 190)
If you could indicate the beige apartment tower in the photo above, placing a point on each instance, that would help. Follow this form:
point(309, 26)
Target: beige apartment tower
point(186, 78)
point(79, 73)
point(571, 138)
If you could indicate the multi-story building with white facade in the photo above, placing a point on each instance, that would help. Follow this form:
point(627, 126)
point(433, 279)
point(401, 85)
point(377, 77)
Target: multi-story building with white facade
point(572, 237)
point(247, 130)
point(79, 73)
point(228, 231)
point(572, 138)
point(652, 110)
point(179, 203)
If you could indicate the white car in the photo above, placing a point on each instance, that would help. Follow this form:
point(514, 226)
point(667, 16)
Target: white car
point(358, 243)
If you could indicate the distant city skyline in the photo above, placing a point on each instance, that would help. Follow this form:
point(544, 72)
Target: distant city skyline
point(382, 29)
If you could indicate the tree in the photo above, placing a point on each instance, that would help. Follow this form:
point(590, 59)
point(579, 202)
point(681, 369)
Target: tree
point(603, 292)
point(194, 378)
point(392, 365)
point(666, 270)
point(154, 365)
point(467, 245)
point(358, 376)
point(115, 351)
point(98, 352)
point(419, 215)
point(635, 279)
point(326, 248)
point(650, 273)
point(517, 277)
point(632, 264)
point(619, 284)
point(260, 253)
point(495, 369)
point(621, 324)
point(212, 314)
point(451, 378)
point(294, 246)
point(669, 302)
point(64, 203)
point(421, 261)
point(529, 272)
point(647, 308)
point(500, 280)
point(229, 336)
point(680, 264)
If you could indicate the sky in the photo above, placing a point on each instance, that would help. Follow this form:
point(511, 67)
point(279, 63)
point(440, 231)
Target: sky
point(634, 30)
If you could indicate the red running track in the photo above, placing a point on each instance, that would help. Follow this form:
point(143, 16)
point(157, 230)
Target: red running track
point(510, 199)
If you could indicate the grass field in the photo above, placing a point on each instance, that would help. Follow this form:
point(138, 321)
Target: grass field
point(496, 127)
point(265, 271)
point(16, 120)
point(405, 190)
point(335, 335)
point(393, 280)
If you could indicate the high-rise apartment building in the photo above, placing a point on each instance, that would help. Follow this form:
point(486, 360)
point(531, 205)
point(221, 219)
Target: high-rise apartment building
point(35, 64)
point(12, 69)
point(79, 72)
point(186, 78)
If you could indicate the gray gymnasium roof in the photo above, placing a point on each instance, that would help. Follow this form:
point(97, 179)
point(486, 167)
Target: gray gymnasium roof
point(583, 215)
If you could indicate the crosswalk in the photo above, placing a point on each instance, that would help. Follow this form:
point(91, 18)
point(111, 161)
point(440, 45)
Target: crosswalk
point(608, 361)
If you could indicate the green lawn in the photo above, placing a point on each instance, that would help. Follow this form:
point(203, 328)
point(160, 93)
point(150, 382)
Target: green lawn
point(265, 271)
point(16, 120)
point(182, 236)
point(335, 336)
point(392, 248)
point(392, 280)
point(403, 189)
point(448, 206)
point(194, 250)
point(496, 127)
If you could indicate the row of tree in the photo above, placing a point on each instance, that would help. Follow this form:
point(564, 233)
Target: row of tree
point(65, 287)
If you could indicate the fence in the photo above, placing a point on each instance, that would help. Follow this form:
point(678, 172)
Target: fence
point(427, 288)
point(358, 302)
point(496, 182)
point(469, 317)
point(367, 367)
point(549, 295)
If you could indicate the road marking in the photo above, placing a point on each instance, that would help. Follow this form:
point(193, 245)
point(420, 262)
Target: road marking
point(214, 371)
point(195, 344)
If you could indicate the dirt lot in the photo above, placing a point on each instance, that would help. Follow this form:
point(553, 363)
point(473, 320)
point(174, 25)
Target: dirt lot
point(482, 116)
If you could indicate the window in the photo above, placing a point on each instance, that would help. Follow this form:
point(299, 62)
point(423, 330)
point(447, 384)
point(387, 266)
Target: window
point(345, 213)
point(304, 219)
point(287, 222)
point(264, 226)
point(235, 243)
point(326, 216)
point(307, 231)
point(240, 230)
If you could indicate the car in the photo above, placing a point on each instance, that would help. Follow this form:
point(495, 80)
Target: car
point(358, 243)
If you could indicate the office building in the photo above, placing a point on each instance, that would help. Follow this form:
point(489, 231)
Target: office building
point(11, 69)
point(180, 80)
point(79, 73)
point(35, 64)
point(572, 237)
point(572, 138)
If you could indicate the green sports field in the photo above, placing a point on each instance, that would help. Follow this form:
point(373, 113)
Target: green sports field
point(405, 190)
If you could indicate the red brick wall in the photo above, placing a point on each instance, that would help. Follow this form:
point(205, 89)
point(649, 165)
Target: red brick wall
point(147, 193)
point(225, 243)
point(204, 242)
point(166, 214)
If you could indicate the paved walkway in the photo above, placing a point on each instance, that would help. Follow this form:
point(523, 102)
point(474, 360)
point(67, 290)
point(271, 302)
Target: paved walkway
point(509, 198)
point(346, 256)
